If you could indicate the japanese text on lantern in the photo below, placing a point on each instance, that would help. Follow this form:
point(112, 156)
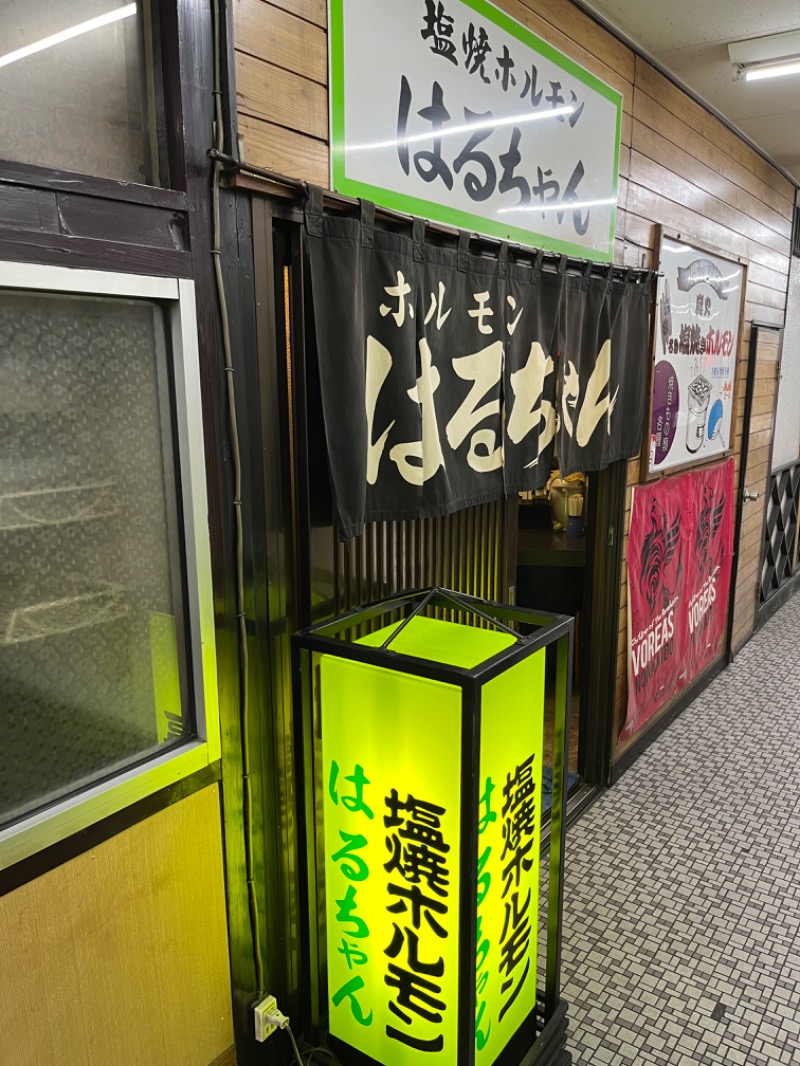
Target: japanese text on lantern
point(355, 942)
point(483, 1024)
point(418, 893)
point(519, 828)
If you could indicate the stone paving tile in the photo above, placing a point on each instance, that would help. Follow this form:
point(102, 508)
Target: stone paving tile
point(681, 943)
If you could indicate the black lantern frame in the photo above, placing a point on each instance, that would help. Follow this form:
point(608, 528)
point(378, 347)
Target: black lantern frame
point(541, 1038)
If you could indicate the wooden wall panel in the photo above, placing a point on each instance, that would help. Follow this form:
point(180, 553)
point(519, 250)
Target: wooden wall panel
point(695, 117)
point(281, 51)
point(291, 101)
point(651, 113)
point(678, 189)
point(120, 955)
point(654, 145)
point(282, 39)
point(315, 11)
point(284, 151)
point(679, 166)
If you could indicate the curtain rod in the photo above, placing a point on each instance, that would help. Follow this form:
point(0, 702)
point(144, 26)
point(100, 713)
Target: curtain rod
point(340, 202)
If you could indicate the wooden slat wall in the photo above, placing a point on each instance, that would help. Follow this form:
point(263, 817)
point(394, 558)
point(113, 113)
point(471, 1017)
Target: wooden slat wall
point(281, 85)
point(121, 955)
point(679, 166)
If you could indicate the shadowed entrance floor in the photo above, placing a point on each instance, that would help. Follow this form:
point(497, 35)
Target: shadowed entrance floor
point(682, 897)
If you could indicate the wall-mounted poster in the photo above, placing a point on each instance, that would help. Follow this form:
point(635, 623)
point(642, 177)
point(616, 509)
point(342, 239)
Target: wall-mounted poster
point(453, 111)
point(710, 560)
point(696, 332)
point(658, 548)
point(680, 550)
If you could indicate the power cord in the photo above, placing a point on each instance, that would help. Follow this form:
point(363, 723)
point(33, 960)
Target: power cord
point(320, 1051)
point(297, 1054)
point(280, 1021)
point(244, 669)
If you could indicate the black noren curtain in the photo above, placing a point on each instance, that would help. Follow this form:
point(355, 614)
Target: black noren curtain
point(445, 375)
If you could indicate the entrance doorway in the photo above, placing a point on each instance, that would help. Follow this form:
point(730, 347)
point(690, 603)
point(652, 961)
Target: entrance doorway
point(551, 576)
point(571, 564)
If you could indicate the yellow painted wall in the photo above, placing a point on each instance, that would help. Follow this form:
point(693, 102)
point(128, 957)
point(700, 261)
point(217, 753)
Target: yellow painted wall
point(119, 957)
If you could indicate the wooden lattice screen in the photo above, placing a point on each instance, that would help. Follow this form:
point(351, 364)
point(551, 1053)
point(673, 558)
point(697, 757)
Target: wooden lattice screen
point(465, 551)
point(780, 531)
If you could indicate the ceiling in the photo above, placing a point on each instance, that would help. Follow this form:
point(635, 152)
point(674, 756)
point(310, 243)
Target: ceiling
point(689, 39)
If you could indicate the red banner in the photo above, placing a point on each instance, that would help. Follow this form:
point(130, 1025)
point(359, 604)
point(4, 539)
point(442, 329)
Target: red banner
point(679, 570)
point(708, 578)
point(657, 558)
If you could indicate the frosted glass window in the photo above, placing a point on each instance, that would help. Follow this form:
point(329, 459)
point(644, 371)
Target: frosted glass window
point(93, 674)
point(73, 87)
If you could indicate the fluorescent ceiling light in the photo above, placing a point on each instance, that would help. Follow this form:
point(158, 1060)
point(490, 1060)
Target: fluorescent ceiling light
point(766, 57)
point(68, 34)
point(776, 71)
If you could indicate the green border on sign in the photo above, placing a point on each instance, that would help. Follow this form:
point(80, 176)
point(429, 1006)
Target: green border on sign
point(430, 208)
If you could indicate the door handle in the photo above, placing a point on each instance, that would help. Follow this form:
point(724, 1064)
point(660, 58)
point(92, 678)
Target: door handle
point(749, 496)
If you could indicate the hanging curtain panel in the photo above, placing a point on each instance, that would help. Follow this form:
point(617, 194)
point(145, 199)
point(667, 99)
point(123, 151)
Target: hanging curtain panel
point(533, 303)
point(440, 368)
point(604, 371)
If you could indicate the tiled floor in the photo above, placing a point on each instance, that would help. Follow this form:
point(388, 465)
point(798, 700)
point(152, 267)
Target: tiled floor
point(682, 917)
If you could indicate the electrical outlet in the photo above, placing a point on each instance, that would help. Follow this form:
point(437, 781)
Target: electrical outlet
point(268, 1005)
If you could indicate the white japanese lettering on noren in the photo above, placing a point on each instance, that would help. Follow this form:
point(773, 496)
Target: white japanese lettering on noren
point(428, 450)
point(483, 369)
point(482, 312)
point(512, 303)
point(418, 461)
point(483, 456)
point(437, 305)
point(379, 366)
point(529, 408)
point(401, 290)
point(593, 408)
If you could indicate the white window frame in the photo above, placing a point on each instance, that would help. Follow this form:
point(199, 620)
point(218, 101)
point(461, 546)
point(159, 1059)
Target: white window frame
point(61, 820)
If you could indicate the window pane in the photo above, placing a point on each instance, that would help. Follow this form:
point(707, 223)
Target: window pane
point(92, 672)
point(72, 87)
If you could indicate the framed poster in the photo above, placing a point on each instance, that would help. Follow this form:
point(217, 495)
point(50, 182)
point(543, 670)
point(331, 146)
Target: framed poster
point(451, 110)
point(696, 328)
point(680, 551)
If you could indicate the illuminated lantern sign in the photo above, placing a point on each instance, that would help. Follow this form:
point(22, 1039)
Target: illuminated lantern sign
point(431, 764)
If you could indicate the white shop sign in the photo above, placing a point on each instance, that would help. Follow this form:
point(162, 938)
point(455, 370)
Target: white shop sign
point(451, 110)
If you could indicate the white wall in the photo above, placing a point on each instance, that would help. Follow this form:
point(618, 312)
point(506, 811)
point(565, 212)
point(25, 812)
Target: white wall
point(787, 418)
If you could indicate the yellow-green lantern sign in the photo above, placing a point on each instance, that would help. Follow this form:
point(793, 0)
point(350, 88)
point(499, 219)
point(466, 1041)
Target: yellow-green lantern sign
point(431, 778)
